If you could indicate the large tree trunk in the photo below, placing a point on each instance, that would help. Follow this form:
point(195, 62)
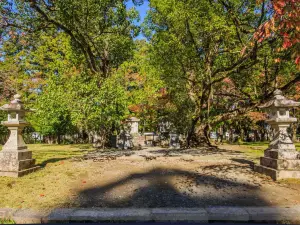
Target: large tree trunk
point(198, 136)
point(191, 134)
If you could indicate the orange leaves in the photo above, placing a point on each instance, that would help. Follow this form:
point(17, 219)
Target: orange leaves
point(297, 87)
point(277, 60)
point(265, 30)
point(279, 6)
point(297, 60)
point(134, 108)
point(257, 116)
point(134, 77)
point(163, 92)
point(227, 80)
point(287, 43)
point(284, 23)
point(285, 19)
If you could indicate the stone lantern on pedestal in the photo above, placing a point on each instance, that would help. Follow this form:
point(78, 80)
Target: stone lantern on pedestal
point(281, 160)
point(15, 159)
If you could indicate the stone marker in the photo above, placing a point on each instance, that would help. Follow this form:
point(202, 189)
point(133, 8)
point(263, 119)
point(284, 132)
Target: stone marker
point(15, 159)
point(174, 141)
point(281, 160)
point(133, 123)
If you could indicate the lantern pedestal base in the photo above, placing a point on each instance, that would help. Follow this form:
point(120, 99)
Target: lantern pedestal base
point(18, 173)
point(16, 163)
point(280, 164)
point(277, 174)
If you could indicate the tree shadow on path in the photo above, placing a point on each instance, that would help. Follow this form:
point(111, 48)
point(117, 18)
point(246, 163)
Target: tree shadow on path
point(156, 189)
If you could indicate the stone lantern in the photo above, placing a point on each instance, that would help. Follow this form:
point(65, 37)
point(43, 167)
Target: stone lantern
point(281, 160)
point(15, 159)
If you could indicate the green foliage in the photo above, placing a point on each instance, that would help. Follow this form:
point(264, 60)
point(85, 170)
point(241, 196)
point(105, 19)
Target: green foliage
point(209, 61)
point(101, 31)
point(76, 63)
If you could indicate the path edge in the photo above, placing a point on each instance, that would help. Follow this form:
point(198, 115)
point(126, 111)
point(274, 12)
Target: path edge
point(199, 215)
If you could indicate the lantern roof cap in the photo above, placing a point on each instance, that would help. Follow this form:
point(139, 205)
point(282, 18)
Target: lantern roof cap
point(133, 119)
point(14, 105)
point(279, 100)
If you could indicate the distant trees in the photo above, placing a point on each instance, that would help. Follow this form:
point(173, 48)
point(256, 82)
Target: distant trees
point(78, 64)
point(212, 61)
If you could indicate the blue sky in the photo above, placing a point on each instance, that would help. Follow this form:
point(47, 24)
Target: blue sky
point(142, 10)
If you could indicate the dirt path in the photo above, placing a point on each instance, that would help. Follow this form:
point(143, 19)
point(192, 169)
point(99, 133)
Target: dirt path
point(181, 178)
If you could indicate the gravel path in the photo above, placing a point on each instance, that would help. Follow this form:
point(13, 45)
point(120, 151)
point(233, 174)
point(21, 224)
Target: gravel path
point(156, 177)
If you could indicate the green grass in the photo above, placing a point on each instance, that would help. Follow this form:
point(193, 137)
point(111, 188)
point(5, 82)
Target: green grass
point(44, 153)
point(297, 146)
point(7, 221)
point(255, 150)
point(290, 181)
point(264, 145)
point(40, 190)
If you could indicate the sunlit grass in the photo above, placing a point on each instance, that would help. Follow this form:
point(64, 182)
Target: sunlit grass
point(5, 221)
point(290, 181)
point(255, 150)
point(263, 145)
point(49, 186)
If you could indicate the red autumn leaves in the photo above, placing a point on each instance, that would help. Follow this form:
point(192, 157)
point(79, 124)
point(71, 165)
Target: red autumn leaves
point(285, 22)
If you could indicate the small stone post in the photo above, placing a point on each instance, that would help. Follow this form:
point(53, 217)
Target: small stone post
point(15, 159)
point(281, 160)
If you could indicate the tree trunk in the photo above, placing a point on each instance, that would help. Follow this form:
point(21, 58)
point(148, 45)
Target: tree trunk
point(191, 133)
point(59, 139)
point(202, 135)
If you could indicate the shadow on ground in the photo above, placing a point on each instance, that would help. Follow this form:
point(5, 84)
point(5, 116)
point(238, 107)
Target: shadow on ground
point(53, 160)
point(201, 151)
point(243, 161)
point(156, 190)
point(161, 152)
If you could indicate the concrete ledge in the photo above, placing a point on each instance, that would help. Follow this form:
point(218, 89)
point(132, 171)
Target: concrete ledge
point(25, 216)
point(6, 213)
point(101, 214)
point(274, 213)
point(180, 214)
point(227, 214)
point(59, 215)
point(209, 214)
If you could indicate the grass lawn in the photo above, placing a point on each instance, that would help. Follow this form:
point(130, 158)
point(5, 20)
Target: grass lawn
point(37, 190)
point(7, 221)
point(255, 150)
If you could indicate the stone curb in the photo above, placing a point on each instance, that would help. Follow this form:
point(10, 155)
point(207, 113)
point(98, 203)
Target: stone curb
point(25, 216)
point(208, 214)
point(221, 213)
point(179, 214)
